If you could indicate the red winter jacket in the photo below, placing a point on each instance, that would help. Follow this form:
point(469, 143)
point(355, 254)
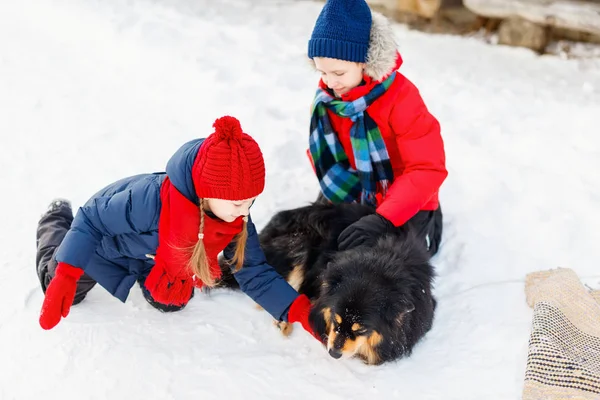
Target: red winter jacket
point(413, 141)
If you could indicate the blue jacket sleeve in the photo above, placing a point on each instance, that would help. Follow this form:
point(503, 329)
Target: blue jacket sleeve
point(132, 210)
point(260, 281)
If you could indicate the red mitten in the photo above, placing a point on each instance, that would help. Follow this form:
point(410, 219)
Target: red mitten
point(299, 311)
point(59, 295)
point(169, 290)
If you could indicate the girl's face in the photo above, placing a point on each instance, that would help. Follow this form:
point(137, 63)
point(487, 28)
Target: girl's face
point(339, 75)
point(229, 210)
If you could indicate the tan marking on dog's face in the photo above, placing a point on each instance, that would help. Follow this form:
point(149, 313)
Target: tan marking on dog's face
point(328, 327)
point(327, 318)
point(362, 346)
point(374, 339)
point(351, 346)
point(327, 314)
point(296, 276)
point(367, 350)
point(330, 336)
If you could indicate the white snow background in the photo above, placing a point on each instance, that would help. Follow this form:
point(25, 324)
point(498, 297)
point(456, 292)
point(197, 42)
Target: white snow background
point(93, 91)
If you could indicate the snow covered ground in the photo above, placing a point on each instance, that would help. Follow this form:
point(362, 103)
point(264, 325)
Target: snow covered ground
point(92, 91)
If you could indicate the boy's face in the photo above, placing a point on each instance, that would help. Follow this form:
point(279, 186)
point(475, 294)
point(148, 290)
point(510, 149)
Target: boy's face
point(229, 210)
point(339, 75)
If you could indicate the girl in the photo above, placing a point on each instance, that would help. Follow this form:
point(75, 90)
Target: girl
point(165, 231)
point(372, 138)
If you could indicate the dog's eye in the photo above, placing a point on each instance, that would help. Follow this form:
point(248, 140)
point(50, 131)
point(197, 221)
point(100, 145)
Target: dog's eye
point(361, 332)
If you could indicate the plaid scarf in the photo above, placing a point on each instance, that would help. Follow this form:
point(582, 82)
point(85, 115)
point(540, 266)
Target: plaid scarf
point(340, 183)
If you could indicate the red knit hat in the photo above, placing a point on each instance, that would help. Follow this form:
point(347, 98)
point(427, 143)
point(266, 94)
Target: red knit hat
point(229, 164)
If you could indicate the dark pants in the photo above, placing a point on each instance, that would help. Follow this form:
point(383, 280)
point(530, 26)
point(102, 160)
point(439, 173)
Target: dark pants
point(52, 228)
point(51, 231)
point(427, 225)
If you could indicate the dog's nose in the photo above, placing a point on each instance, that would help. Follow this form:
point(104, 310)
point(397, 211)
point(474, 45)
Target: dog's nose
point(335, 353)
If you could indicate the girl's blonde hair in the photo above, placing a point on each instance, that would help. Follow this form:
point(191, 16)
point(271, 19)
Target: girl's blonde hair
point(198, 262)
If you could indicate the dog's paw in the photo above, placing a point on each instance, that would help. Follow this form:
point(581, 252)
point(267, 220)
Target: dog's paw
point(285, 327)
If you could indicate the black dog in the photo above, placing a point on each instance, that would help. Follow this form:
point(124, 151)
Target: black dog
point(372, 301)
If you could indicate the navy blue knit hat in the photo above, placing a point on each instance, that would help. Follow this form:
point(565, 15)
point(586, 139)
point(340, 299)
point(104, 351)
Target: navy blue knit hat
point(342, 31)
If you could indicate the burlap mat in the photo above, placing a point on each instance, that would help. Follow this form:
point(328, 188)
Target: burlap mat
point(564, 348)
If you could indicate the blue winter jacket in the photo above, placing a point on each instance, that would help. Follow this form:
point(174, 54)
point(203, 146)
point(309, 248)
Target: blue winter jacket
point(114, 231)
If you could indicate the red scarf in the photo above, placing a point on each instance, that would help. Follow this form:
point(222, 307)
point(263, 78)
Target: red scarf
point(171, 281)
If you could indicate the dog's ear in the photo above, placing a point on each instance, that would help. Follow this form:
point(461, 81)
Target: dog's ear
point(406, 307)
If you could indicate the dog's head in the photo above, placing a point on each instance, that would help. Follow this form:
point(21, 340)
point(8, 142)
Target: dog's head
point(359, 309)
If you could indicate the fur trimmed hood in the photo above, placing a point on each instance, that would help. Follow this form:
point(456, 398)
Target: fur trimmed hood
point(382, 56)
point(383, 49)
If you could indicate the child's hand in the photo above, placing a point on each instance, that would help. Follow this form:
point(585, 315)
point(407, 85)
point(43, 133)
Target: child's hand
point(59, 295)
point(299, 311)
point(368, 227)
point(169, 290)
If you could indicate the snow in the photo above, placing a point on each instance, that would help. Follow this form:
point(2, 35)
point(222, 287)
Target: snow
point(93, 91)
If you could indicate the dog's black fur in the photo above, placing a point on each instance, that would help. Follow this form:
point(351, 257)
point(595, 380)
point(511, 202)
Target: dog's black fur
point(373, 301)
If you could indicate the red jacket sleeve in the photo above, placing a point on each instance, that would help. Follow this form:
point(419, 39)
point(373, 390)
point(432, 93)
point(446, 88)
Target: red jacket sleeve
point(422, 151)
